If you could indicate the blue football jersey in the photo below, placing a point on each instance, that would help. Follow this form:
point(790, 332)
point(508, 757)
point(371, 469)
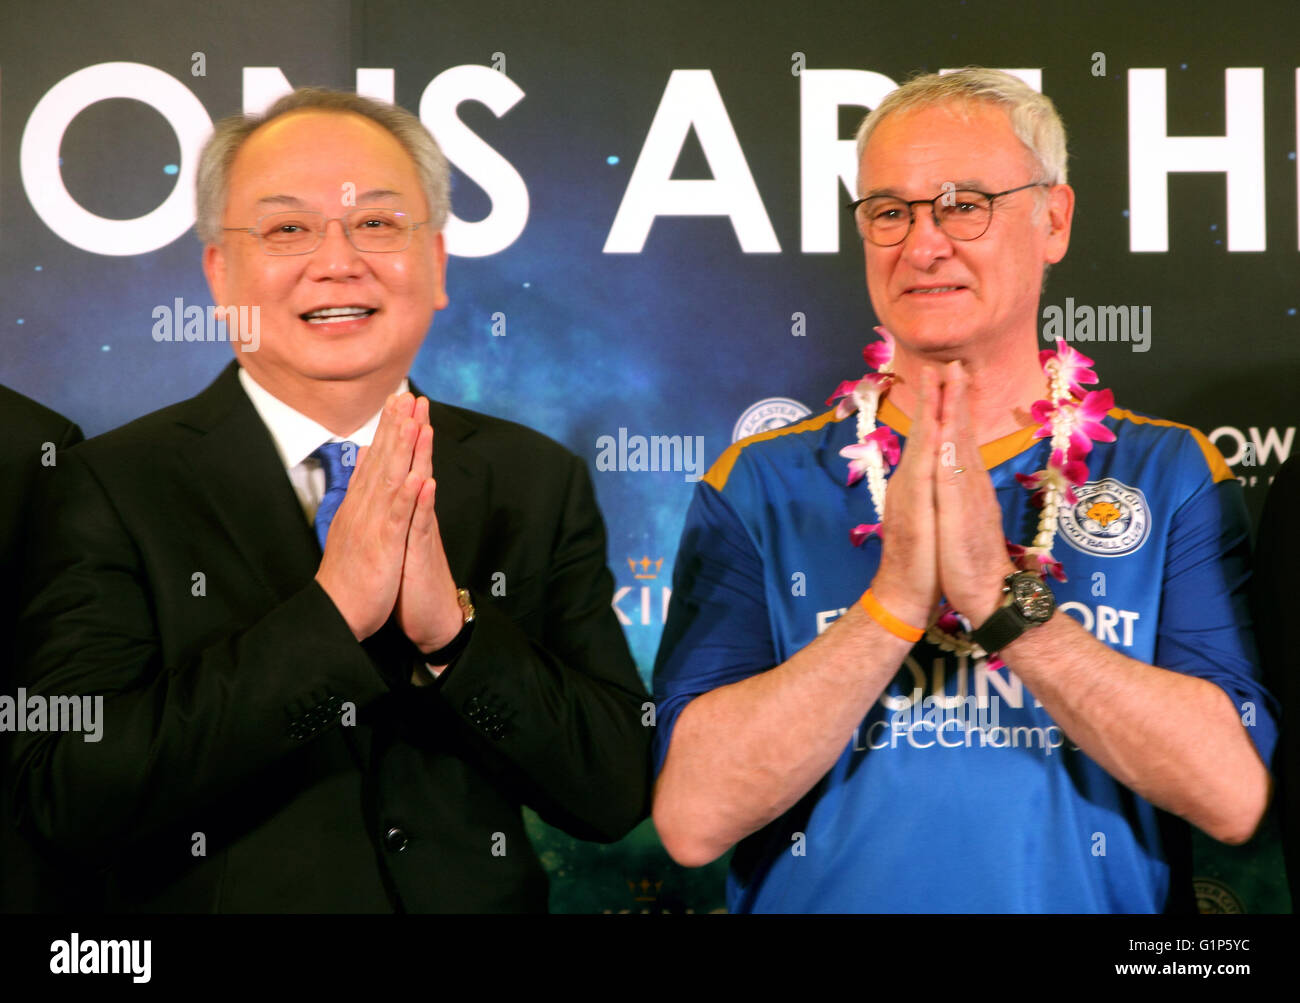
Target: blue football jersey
point(958, 792)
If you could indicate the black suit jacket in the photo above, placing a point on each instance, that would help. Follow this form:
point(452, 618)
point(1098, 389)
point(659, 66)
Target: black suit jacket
point(1273, 596)
point(175, 577)
point(34, 441)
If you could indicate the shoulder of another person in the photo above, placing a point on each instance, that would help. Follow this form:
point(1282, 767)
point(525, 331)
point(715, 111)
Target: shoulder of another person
point(25, 419)
point(1287, 479)
point(149, 441)
point(146, 437)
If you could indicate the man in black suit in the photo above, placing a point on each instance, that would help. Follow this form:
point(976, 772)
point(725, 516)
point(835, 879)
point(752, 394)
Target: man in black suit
point(35, 438)
point(1273, 595)
point(353, 730)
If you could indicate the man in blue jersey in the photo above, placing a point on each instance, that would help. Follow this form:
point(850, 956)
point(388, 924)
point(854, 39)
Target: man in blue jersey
point(859, 762)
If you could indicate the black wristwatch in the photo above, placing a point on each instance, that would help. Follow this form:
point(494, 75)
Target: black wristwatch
point(450, 652)
point(1027, 602)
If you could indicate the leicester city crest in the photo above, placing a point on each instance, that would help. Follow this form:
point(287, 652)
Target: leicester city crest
point(767, 414)
point(1109, 519)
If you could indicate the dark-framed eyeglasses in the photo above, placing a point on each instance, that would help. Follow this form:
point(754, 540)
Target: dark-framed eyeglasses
point(301, 231)
point(962, 214)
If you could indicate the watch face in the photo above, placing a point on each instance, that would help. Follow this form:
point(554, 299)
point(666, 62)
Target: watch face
point(1033, 597)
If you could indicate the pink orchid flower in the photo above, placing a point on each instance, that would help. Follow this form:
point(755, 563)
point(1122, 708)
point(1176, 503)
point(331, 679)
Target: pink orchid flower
point(1081, 420)
point(1036, 482)
point(948, 621)
point(1071, 467)
point(1033, 482)
point(858, 534)
point(1047, 565)
point(1035, 559)
point(859, 454)
point(1072, 472)
point(1041, 563)
point(1072, 364)
point(844, 392)
point(885, 438)
point(1092, 409)
point(879, 353)
point(881, 381)
point(1042, 412)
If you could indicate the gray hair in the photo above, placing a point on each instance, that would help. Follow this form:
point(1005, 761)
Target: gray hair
point(1033, 117)
point(213, 182)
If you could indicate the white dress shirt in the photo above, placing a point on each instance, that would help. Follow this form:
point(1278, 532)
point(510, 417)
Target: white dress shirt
point(296, 437)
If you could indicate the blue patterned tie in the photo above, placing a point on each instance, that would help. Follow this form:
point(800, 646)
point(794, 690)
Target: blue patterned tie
point(332, 457)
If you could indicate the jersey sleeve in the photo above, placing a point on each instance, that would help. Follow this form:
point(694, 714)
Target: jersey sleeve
point(718, 626)
point(1205, 621)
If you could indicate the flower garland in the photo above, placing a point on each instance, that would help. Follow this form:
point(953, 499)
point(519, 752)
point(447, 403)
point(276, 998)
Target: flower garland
point(1070, 417)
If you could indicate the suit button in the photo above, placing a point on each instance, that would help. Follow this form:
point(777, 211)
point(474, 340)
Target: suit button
point(395, 840)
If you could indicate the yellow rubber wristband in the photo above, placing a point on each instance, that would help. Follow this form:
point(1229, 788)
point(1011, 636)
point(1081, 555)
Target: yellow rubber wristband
point(887, 619)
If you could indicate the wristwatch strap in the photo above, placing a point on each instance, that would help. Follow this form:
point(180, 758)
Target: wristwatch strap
point(1004, 626)
point(450, 652)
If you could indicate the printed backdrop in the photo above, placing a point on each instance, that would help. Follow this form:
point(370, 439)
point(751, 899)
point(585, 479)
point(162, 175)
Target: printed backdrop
point(649, 239)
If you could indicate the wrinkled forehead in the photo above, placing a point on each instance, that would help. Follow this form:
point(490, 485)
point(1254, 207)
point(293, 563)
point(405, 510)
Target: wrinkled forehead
point(304, 124)
point(297, 154)
point(960, 140)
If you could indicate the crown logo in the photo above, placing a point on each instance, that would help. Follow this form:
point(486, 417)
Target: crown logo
point(645, 890)
point(645, 564)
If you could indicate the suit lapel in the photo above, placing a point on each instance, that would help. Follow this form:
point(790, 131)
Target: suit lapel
point(464, 486)
point(235, 461)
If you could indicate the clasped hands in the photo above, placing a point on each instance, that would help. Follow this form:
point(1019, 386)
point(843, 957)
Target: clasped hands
point(943, 531)
point(384, 551)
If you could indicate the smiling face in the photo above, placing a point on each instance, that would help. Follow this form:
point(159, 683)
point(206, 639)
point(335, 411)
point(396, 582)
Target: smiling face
point(312, 160)
point(942, 296)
